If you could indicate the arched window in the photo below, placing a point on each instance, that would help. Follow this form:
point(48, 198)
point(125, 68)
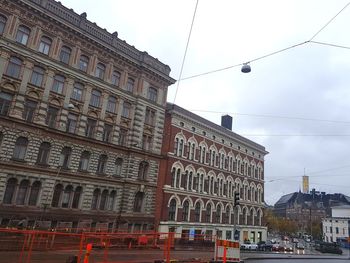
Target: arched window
point(100, 71)
point(227, 216)
point(185, 211)
point(190, 181)
point(95, 98)
point(143, 170)
point(95, 197)
point(22, 192)
point(218, 214)
point(83, 63)
point(14, 67)
point(208, 214)
point(44, 152)
point(138, 203)
point(130, 85)
point(76, 197)
point(172, 210)
point(181, 147)
point(115, 78)
point(84, 161)
point(58, 84)
point(20, 148)
point(57, 195)
point(126, 110)
point(65, 54)
point(112, 104)
point(102, 163)
point(2, 24)
point(37, 76)
point(111, 200)
point(45, 45)
point(65, 157)
point(22, 35)
point(5, 103)
point(10, 190)
point(197, 212)
point(67, 196)
point(34, 193)
point(118, 166)
point(103, 201)
point(173, 177)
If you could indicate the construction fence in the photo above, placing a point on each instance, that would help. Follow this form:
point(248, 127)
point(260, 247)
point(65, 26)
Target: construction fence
point(34, 246)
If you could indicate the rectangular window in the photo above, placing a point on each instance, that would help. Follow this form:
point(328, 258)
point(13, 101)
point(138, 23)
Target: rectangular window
point(72, 123)
point(146, 142)
point(107, 133)
point(90, 128)
point(150, 117)
point(123, 136)
point(37, 76)
point(51, 117)
point(152, 94)
point(29, 110)
point(77, 93)
point(5, 103)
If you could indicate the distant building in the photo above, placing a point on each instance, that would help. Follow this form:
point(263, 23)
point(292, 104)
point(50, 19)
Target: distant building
point(338, 225)
point(205, 165)
point(306, 208)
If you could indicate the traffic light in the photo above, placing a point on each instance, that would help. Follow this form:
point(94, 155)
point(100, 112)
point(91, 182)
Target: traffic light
point(236, 199)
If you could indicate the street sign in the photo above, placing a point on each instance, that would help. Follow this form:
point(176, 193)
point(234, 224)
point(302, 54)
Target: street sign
point(236, 235)
point(191, 234)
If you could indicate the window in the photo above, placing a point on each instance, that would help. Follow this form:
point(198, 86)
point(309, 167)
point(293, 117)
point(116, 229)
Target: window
point(77, 93)
point(197, 212)
point(51, 117)
point(102, 163)
point(29, 110)
point(123, 137)
point(34, 193)
point(95, 196)
point(22, 192)
point(76, 197)
point(126, 110)
point(118, 166)
point(20, 148)
point(112, 104)
point(90, 128)
point(146, 142)
point(10, 191)
point(218, 214)
point(58, 84)
point(150, 117)
point(227, 216)
point(100, 71)
point(67, 196)
point(185, 211)
point(44, 151)
point(57, 195)
point(143, 170)
point(208, 214)
point(107, 133)
point(95, 98)
point(65, 54)
point(22, 35)
point(65, 157)
point(103, 201)
point(138, 203)
point(84, 161)
point(130, 85)
point(83, 63)
point(152, 94)
point(37, 76)
point(5, 103)
point(172, 210)
point(45, 45)
point(14, 67)
point(72, 120)
point(115, 78)
point(111, 200)
point(2, 24)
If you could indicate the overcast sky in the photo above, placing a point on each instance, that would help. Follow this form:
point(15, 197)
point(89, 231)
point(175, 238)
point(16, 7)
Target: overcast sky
point(307, 82)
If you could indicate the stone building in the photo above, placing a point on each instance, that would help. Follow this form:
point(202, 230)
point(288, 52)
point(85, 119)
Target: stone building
point(205, 165)
point(81, 122)
point(337, 225)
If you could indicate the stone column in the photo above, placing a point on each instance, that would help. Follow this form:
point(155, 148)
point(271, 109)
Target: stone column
point(40, 118)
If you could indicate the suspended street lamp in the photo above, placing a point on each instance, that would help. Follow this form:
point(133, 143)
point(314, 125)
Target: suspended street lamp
point(246, 68)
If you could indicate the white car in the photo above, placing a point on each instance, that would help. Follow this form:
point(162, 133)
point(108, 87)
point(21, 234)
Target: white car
point(249, 246)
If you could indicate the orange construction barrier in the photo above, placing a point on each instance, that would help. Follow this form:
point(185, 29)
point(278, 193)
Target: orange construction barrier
point(87, 254)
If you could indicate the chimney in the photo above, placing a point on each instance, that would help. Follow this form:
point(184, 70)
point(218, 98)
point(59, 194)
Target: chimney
point(226, 122)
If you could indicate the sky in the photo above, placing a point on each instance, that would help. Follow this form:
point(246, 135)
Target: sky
point(296, 103)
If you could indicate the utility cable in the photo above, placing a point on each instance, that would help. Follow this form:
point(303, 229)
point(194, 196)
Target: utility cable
point(184, 57)
point(329, 44)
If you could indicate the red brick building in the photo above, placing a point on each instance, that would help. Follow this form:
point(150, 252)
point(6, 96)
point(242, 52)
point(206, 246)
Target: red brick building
point(205, 165)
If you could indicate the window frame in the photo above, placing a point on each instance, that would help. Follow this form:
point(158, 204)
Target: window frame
point(45, 45)
point(14, 67)
point(37, 76)
point(65, 54)
point(22, 35)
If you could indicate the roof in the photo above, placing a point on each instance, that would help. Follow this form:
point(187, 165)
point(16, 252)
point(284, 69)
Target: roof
point(181, 111)
point(285, 199)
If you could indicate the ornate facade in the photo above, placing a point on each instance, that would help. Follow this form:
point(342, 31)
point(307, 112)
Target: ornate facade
point(205, 165)
point(81, 122)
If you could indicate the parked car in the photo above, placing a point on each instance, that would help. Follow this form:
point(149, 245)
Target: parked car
point(247, 245)
point(288, 248)
point(265, 245)
point(299, 246)
point(325, 247)
point(295, 240)
point(275, 247)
